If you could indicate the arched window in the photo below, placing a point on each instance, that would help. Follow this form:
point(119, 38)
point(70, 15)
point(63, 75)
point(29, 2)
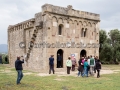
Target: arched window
point(83, 32)
point(29, 33)
point(60, 29)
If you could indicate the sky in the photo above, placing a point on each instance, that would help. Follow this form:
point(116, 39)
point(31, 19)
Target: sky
point(15, 11)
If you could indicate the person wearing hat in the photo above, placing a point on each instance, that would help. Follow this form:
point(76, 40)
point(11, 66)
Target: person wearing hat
point(19, 68)
point(51, 64)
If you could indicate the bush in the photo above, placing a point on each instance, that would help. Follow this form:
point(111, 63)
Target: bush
point(117, 62)
point(111, 62)
point(102, 62)
point(105, 62)
point(5, 59)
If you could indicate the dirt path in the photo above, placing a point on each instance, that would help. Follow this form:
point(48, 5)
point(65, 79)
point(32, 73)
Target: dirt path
point(74, 73)
point(60, 72)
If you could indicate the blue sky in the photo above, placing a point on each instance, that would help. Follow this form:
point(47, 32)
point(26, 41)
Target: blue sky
point(15, 11)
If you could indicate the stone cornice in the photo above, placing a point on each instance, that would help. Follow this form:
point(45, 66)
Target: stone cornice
point(69, 12)
point(24, 23)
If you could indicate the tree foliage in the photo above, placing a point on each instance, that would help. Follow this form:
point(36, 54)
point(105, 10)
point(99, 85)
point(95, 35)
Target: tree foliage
point(110, 46)
point(4, 58)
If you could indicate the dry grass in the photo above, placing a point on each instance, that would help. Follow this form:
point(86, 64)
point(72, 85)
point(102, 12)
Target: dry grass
point(32, 81)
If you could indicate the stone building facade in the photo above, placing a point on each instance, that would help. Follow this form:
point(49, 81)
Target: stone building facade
point(55, 30)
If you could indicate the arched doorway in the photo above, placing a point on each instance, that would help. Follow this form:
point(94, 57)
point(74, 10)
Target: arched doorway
point(83, 53)
point(60, 58)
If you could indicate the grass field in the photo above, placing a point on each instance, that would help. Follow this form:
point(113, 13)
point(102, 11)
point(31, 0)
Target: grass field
point(55, 82)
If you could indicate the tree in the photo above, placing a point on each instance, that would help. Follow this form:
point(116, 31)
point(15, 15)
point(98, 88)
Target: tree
point(102, 38)
point(110, 46)
point(106, 53)
point(114, 36)
point(115, 41)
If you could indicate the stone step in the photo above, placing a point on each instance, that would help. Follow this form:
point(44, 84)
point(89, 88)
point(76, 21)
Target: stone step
point(63, 69)
point(60, 69)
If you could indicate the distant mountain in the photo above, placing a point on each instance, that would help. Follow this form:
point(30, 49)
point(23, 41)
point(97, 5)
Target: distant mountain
point(3, 48)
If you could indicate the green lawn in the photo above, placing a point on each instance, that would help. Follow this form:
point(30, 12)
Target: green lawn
point(55, 82)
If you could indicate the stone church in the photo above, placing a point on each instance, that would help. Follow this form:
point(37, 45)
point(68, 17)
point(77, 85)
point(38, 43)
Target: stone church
point(55, 30)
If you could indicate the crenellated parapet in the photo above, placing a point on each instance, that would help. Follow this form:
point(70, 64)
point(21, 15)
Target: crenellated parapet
point(69, 11)
point(23, 25)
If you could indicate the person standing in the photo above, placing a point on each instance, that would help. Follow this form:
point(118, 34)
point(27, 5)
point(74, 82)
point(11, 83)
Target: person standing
point(96, 58)
point(73, 64)
point(92, 65)
point(85, 68)
point(88, 60)
point(69, 65)
point(98, 67)
point(59, 59)
point(80, 67)
point(51, 64)
point(19, 68)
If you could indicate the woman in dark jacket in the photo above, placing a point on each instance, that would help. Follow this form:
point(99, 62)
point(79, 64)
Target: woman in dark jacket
point(80, 67)
point(98, 67)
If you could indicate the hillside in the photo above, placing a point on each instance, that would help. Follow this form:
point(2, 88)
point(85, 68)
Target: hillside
point(3, 48)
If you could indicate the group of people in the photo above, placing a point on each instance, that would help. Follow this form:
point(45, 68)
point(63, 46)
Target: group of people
point(69, 63)
point(85, 65)
point(89, 65)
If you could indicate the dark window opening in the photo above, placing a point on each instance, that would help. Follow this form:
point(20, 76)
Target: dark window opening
point(60, 58)
point(83, 53)
point(85, 32)
point(29, 33)
point(60, 30)
point(82, 32)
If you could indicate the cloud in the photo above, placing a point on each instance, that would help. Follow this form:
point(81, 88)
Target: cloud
point(15, 11)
